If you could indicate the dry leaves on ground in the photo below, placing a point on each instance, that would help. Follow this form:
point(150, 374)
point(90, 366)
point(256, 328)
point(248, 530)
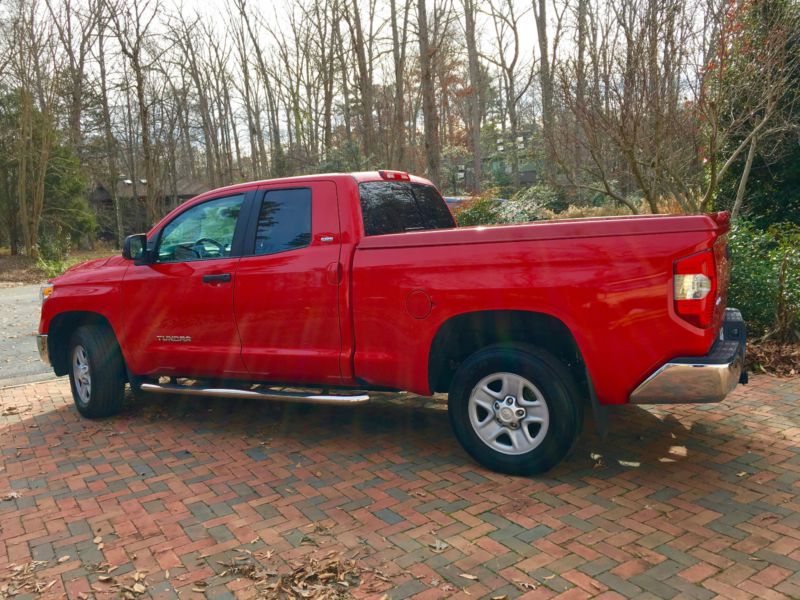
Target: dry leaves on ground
point(328, 578)
point(774, 358)
point(21, 579)
point(315, 579)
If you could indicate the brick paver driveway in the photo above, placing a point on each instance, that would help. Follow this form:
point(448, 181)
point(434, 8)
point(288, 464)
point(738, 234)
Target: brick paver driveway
point(197, 495)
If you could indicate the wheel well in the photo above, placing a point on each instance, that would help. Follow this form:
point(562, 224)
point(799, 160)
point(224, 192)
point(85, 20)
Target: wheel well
point(463, 335)
point(60, 331)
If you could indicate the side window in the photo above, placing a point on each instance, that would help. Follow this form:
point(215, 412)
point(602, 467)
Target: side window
point(201, 232)
point(284, 222)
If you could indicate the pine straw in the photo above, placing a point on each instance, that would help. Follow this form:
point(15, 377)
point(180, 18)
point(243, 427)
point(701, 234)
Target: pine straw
point(774, 358)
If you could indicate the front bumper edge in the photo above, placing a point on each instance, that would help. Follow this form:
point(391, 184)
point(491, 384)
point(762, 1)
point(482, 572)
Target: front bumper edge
point(41, 344)
point(700, 379)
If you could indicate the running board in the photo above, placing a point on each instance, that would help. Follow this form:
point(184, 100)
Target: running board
point(164, 388)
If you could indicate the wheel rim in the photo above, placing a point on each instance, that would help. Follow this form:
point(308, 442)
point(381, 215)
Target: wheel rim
point(508, 413)
point(81, 374)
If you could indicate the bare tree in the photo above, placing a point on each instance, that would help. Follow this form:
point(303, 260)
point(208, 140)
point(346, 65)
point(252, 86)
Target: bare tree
point(399, 25)
point(36, 67)
point(474, 100)
point(110, 143)
point(508, 58)
point(132, 23)
point(429, 112)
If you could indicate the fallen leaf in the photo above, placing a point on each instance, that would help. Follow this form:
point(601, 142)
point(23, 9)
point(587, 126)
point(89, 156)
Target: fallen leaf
point(63, 559)
point(438, 545)
point(503, 597)
point(139, 588)
point(741, 473)
point(468, 576)
point(97, 540)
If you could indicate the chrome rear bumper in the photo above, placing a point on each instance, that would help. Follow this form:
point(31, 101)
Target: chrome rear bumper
point(700, 379)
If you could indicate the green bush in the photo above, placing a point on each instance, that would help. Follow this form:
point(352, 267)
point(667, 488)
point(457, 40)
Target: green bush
point(54, 246)
point(765, 279)
point(529, 204)
point(481, 211)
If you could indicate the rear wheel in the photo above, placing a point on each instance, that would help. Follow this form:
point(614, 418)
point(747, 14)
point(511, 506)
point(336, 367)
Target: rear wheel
point(97, 371)
point(515, 409)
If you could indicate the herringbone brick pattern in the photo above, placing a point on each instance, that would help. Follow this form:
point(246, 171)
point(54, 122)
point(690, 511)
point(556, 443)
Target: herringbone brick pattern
point(692, 502)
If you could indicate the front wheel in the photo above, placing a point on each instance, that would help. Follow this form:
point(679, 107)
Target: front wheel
point(515, 409)
point(97, 372)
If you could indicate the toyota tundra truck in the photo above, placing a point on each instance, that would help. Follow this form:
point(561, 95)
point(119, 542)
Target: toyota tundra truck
point(337, 285)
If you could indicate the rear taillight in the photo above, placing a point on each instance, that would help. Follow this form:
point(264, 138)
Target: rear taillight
point(695, 285)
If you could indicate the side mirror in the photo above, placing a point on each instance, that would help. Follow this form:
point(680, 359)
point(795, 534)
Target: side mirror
point(135, 249)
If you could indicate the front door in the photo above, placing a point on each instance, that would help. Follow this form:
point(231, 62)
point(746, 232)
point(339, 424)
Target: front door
point(179, 309)
point(287, 289)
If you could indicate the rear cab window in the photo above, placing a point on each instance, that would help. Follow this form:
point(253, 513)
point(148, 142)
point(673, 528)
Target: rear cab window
point(396, 207)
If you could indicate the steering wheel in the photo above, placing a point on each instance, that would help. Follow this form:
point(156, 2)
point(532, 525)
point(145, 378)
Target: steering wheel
point(200, 249)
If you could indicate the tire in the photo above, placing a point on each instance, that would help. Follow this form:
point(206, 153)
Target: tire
point(96, 372)
point(505, 434)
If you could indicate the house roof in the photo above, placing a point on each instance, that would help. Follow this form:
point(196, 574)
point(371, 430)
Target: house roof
point(186, 188)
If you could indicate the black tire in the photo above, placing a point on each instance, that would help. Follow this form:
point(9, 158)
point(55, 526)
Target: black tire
point(558, 391)
point(106, 370)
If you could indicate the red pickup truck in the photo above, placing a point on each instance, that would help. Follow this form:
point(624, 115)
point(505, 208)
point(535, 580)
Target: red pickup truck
point(337, 284)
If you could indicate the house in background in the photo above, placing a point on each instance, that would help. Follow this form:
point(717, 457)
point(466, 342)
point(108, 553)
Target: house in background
point(132, 197)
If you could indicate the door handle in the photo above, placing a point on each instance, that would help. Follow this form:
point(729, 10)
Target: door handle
point(218, 278)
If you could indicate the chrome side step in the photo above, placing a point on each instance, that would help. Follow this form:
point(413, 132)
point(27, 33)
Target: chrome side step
point(169, 388)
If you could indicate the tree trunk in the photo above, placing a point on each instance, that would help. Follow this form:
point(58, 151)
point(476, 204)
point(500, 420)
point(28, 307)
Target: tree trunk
point(429, 113)
point(108, 138)
point(473, 100)
point(398, 137)
point(546, 83)
point(364, 82)
point(740, 191)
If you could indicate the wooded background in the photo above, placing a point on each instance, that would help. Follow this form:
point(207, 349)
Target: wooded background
point(633, 105)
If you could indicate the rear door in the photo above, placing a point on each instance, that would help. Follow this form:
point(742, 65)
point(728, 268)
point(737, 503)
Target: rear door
point(287, 285)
